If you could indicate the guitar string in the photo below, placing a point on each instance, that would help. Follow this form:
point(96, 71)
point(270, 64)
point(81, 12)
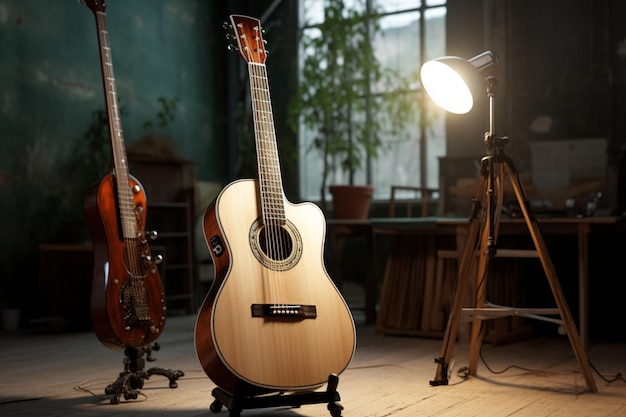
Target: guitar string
point(130, 233)
point(269, 174)
point(268, 236)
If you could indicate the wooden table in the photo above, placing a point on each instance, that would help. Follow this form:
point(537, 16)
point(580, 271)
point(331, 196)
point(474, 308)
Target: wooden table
point(581, 227)
point(359, 228)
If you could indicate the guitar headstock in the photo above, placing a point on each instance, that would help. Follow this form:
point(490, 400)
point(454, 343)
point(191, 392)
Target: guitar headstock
point(95, 5)
point(249, 36)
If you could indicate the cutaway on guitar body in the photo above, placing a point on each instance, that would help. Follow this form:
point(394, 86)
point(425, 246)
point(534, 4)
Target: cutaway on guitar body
point(245, 332)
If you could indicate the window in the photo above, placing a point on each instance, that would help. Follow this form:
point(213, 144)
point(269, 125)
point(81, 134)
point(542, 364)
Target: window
point(411, 31)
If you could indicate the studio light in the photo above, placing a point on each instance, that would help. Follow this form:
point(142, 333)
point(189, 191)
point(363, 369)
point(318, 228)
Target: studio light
point(453, 82)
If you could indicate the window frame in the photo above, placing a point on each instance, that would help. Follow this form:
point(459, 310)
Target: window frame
point(425, 109)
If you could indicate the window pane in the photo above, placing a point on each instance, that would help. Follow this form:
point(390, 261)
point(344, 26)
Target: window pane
point(310, 165)
point(397, 44)
point(311, 12)
point(388, 6)
point(435, 46)
point(435, 32)
point(399, 162)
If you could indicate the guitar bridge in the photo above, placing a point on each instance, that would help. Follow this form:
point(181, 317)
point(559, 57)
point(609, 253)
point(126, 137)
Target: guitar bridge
point(296, 311)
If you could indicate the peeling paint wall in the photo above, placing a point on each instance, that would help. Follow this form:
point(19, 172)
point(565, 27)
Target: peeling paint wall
point(51, 83)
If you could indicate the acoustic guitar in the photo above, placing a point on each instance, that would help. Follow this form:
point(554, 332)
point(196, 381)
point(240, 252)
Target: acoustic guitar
point(272, 319)
point(127, 295)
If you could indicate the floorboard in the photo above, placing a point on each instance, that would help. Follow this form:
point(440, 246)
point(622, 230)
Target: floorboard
point(65, 374)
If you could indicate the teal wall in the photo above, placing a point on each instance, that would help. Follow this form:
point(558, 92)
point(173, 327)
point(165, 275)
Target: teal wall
point(51, 79)
point(51, 83)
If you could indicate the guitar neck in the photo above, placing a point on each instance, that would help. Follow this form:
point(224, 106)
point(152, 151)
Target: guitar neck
point(120, 165)
point(270, 179)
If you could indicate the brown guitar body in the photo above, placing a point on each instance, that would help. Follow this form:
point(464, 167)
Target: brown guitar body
point(127, 296)
point(238, 342)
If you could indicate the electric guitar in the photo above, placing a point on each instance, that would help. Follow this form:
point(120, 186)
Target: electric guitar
point(273, 319)
point(127, 296)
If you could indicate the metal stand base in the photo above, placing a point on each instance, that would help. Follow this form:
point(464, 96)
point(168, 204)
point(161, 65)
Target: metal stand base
point(131, 380)
point(238, 401)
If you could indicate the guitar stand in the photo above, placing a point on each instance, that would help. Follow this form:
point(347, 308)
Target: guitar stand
point(132, 378)
point(238, 401)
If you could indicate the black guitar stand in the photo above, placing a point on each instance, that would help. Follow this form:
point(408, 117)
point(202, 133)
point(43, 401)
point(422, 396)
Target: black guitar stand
point(238, 401)
point(132, 378)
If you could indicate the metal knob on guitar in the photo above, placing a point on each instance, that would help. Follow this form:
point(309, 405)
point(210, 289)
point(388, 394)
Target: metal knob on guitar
point(157, 259)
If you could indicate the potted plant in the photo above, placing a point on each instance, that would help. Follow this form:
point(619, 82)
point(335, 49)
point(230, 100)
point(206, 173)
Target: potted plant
point(340, 73)
point(156, 141)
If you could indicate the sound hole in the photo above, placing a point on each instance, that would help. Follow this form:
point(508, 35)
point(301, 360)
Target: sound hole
point(275, 242)
point(278, 247)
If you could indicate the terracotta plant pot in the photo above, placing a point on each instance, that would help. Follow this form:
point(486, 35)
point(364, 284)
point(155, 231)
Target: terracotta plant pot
point(351, 201)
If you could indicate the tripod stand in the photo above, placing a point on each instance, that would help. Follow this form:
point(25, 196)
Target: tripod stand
point(481, 245)
point(131, 380)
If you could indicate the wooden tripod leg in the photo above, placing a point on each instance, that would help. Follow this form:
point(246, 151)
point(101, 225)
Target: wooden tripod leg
point(477, 334)
point(449, 338)
point(553, 280)
point(492, 206)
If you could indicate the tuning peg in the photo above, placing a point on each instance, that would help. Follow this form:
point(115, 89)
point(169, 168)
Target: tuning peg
point(152, 234)
point(232, 48)
point(156, 259)
point(227, 26)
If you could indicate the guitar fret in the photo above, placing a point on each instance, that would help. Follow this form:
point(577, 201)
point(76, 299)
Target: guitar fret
point(272, 195)
point(272, 161)
point(125, 194)
point(275, 192)
point(277, 215)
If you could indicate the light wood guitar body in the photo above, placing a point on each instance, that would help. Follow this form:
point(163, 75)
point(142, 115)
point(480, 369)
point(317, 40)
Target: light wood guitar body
point(273, 319)
point(276, 353)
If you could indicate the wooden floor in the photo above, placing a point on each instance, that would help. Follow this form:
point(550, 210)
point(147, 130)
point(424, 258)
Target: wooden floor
point(66, 374)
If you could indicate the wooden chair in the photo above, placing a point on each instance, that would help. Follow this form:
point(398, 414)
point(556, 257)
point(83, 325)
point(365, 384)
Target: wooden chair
point(420, 195)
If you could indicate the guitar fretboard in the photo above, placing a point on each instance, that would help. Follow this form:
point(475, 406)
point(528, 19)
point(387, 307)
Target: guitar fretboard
point(125, 195)
point(272, 197)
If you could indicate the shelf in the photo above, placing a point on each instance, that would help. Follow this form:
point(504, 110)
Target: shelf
point(169, 186)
